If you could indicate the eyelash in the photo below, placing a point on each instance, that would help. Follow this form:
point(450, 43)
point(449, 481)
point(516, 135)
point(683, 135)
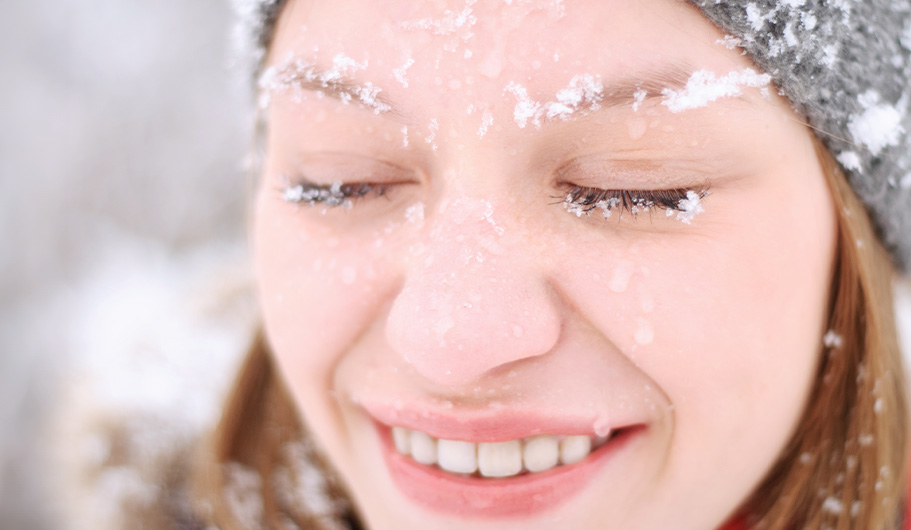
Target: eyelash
point(580, 200)
point(332, 195)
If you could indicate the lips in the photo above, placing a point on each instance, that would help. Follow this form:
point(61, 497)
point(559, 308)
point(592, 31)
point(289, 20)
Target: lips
point(505, 465)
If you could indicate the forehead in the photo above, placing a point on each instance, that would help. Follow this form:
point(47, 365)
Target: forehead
point(466, 51)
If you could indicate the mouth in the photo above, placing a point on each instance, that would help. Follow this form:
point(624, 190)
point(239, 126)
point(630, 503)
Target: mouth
point(496, 479)
point(495, 460)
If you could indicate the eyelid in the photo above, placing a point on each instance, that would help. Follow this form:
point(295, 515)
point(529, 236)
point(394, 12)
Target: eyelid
point(326, 168)
point(635, 174)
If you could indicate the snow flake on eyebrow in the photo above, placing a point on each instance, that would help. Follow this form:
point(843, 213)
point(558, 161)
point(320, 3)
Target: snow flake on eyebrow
point(296, 75)
point(525, 109)
point(584, 93)
point(703, 88)
point(638, 97)
point(878, 126)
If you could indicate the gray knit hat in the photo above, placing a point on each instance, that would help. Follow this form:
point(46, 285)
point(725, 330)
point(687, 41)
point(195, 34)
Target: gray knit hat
point(844, 64)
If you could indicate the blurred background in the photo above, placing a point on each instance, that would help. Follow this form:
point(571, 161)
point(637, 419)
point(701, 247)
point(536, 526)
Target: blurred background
point(124, 282)
point(124, 276)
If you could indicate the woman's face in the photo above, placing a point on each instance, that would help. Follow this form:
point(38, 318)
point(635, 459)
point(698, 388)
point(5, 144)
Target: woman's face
point(475, 289)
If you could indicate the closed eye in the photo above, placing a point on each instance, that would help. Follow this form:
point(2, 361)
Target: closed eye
point(584, 200)
point(336, 194)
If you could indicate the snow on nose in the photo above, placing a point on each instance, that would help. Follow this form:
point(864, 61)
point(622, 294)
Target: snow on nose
point(471, 303)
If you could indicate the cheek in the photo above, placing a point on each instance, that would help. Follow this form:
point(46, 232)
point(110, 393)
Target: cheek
point(317, 291)
point(727, 325)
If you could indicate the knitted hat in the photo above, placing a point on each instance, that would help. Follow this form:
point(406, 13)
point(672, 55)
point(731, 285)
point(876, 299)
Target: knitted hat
point(845, 65)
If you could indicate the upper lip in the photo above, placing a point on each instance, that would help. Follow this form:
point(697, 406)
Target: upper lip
point(491, 425)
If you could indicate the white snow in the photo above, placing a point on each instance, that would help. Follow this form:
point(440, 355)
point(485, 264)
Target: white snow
point(243, 494)
point(301, 483)
point(525, 108)
point(878, 126)
point(831, 55)
point(583, 93)
point(399, 73)
point(689, 207)
point(295, 71)
point(486, 122)
point(415, 214)
point(905, 182)
point(638, 97)
point(582, 88)
point(434, 127)
point(703, 87)
point(730, 42)
point(808, 20)
point(832, 505)
point(832, 339)
point(451, 22)
point(850, 160)
point(755, 17)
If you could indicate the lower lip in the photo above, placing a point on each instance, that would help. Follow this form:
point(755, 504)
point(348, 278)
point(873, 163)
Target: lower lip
point(523, 495)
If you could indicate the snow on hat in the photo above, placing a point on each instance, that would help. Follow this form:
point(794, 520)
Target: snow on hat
point(844, 64)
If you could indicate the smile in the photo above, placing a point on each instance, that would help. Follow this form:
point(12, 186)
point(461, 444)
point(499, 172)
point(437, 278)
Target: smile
point(510, 458)
point(512, 478)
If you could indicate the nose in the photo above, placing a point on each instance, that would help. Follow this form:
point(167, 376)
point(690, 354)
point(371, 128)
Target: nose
point(471, 302)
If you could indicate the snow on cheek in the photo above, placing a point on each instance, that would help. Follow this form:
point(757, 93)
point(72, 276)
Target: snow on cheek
point(415, 214)
point(878, 126)
point(703, 87)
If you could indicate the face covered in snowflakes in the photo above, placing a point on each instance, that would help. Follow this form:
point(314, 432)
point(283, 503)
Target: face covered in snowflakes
point(538, 264)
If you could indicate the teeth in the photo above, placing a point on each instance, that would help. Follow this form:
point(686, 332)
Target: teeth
point(541, 453)
point(495, 460)
point(457, 457)
point(574, 448)
point(402, 438)
point(502, 459)
point(423, 448)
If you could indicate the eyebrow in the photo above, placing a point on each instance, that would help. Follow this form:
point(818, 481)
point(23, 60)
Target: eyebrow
point(647, 85)
point(652, 83)
point(330, 84)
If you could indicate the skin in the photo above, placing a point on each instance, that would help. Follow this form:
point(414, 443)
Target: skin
point(496, 298)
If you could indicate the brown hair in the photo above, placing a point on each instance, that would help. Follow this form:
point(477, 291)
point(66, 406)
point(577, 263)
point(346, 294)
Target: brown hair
point(845, 467)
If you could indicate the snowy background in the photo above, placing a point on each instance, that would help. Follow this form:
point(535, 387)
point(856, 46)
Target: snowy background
point(124, 279)
point(122, 219)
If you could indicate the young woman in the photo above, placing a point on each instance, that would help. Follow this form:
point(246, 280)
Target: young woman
point(546, 264)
